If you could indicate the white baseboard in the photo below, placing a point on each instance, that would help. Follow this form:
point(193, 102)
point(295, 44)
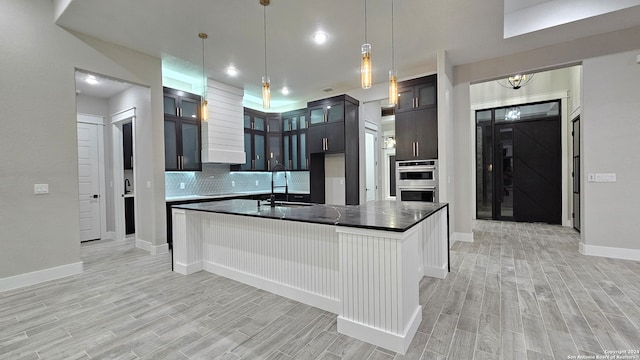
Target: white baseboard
point(315, 300)
point(466, 237)
point(187, 269)
point(40, 276)
point(436, 272)
point(395, 342)
point(152, 249)
point(609, 252)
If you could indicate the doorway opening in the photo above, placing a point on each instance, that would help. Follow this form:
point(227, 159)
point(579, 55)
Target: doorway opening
point(519, 156)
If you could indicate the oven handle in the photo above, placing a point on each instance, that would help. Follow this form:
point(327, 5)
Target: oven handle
point(417, 169)
point(422, 187)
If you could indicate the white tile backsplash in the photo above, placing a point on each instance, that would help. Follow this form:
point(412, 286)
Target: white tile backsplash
point(217, 179)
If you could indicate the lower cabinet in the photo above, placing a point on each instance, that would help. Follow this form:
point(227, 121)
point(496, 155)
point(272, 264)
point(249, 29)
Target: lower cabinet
point(129, 215)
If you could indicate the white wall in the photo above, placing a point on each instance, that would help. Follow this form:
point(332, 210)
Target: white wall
point(38, 141)
point(611, 133)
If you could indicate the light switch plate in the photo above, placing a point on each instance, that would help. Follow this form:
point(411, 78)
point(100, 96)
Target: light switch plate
point(181, 186)
point(611, 177)
point(148, 184)
point(233, 183)
point(257, 183)
point(40, 189)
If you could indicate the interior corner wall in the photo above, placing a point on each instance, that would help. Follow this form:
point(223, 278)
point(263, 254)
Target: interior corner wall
point(40, 145)
point(610, 125)
point(445, 134)
point(139, 97)
point(462, 184)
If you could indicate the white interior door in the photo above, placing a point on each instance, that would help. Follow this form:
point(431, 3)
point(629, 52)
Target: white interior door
point(370, 152)
point(89, 181)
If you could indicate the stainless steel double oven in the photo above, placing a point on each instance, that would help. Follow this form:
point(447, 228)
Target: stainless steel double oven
point(417, 180)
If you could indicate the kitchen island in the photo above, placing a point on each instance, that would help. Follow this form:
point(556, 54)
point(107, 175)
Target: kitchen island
point(363, 263)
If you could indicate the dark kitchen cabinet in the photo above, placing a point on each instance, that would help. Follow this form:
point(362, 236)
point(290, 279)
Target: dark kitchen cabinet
point(129, 215)
point(255, 146)
point(327, 122)
point(334, 129)
point(417, 94)
point(416, 120)
point(127, 146)
point(274, 141)
point(294, 140)
point(182, 129)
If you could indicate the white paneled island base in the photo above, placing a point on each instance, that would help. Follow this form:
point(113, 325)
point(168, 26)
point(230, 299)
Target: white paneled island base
point(368, 277)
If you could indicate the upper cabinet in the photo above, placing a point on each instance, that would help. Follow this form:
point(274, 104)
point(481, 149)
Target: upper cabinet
point(181, 131)
point(274, 141)
point(327, 123)
point(294, 140)
point(255, 131)
point(417, 120)
point(417, 94)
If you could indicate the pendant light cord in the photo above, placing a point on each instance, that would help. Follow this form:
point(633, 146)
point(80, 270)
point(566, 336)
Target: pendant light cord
point(265, 39)
point(393, 50)
point(365, 22)
point(204, 77)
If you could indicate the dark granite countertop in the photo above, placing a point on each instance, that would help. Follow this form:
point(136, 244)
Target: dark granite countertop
point(378, 215)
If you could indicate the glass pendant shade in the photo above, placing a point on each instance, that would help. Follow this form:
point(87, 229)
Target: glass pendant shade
point(205, 110)
point(365, 67)
point(266, 92)
point(393, 87)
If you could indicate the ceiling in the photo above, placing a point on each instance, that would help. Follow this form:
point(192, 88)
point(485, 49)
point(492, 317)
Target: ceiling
point(105, 88)
point(470, 31)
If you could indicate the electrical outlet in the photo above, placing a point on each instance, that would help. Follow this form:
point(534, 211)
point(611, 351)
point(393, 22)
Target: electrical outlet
point(257, 183)
point(148, 184)
point(233, 183)
point(181, 186)
point(40, 189)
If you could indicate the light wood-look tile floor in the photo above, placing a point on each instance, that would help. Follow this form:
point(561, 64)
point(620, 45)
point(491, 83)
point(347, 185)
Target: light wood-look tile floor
point(520, 291)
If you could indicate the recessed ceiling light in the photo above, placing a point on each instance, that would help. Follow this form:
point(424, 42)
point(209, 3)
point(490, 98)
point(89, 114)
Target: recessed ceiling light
point(232, 71)
point(91, 79)
point(285, 90)
point(320, 37)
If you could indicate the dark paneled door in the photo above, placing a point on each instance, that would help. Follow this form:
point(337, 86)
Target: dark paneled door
point(576, 173)
point(528, 171)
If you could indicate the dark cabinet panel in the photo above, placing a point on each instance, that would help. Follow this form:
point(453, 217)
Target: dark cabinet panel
point(127, 146)
point(129, 215)
point(334, 133)
point(405, 135)
point(316, 139)
point(417, 120)
point(426, 121)
point(182, 131)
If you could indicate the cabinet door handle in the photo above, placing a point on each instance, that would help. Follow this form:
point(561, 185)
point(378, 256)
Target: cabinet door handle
point(326, 140)
point(417, 149)
point(413, 148)
point(181, 162)
point(307, 163)
point(253, 164)
point(269, 165)
point(290, 164)
point(132, 161)
point(417, 102)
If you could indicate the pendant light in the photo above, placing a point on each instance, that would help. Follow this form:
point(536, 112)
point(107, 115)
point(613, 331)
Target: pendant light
point(365, 66)
point(517, 81)
point(204, 105)
point(266, 82)
point(393, 76)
